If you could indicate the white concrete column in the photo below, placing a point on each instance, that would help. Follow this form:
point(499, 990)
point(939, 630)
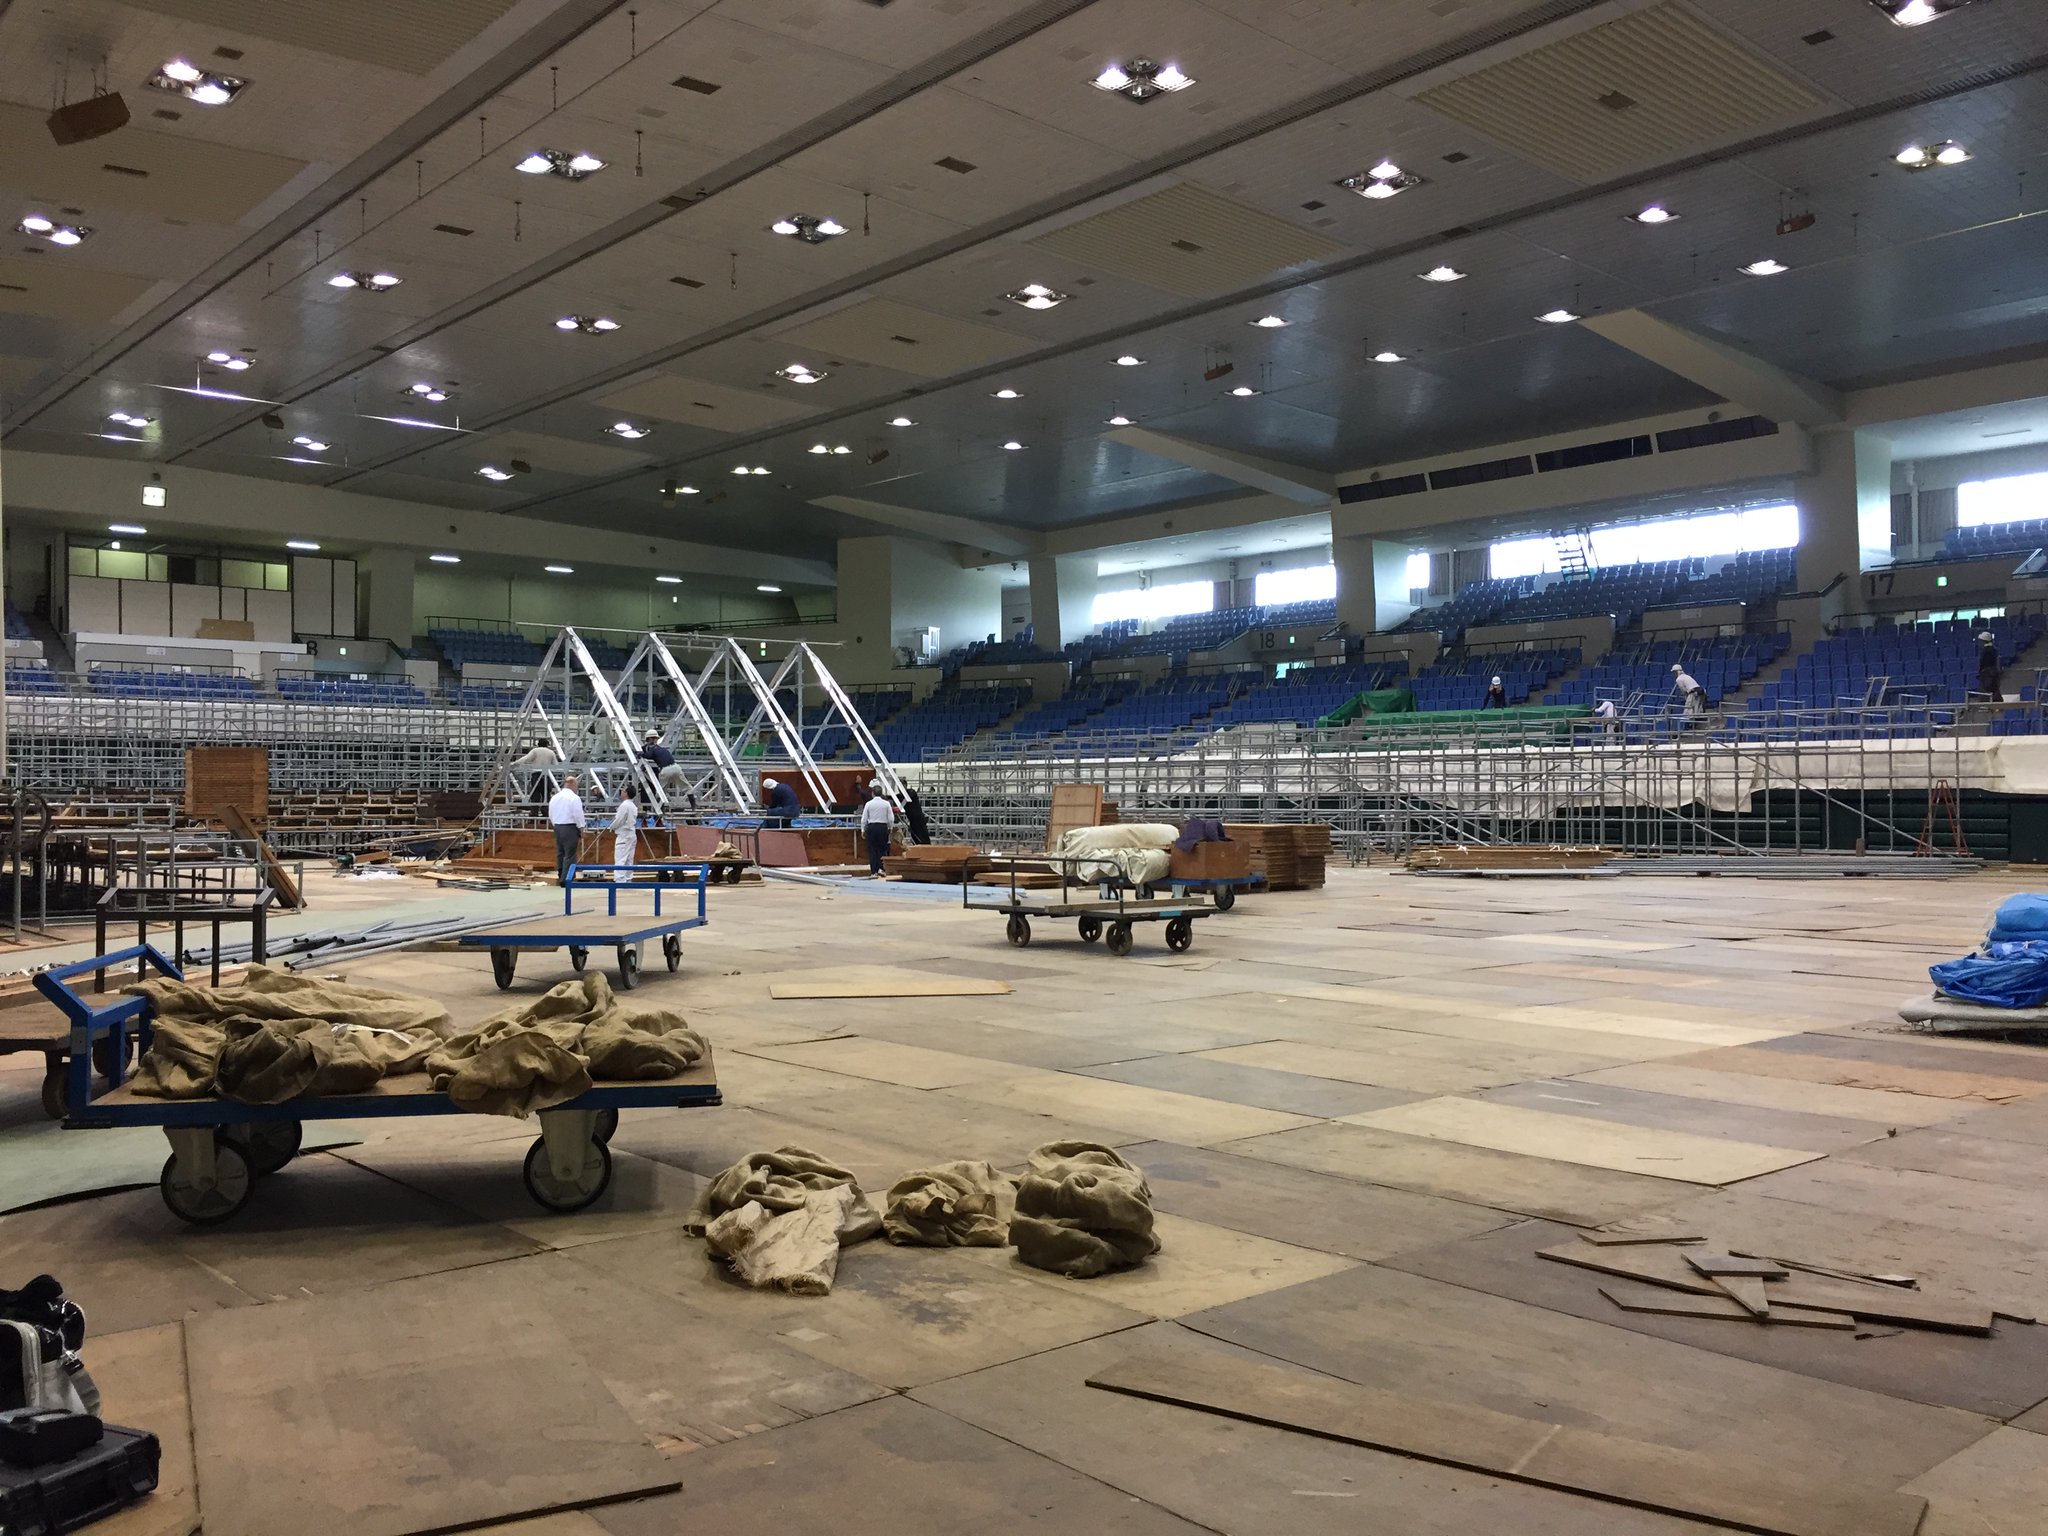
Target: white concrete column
point(1372, 582)
point(1062, 599)
point(1845, 513)
point(385, 583)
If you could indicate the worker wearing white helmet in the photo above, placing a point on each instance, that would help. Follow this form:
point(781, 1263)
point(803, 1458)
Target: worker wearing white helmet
point(1496, 695)
point(781, 805)
point(1690, 691)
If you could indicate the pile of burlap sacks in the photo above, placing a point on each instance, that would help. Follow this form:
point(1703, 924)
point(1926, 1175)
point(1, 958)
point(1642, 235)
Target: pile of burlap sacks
point(779, 1219)
point(277, 1036)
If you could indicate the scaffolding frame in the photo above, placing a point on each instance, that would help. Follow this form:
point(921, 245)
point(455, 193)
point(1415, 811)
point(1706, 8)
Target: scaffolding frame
point(571, 702)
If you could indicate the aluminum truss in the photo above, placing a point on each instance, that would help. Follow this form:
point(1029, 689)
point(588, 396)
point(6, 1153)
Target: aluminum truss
point(570, 704)
point(652, 674)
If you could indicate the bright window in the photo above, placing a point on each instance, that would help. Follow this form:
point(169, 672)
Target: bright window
point(2015, 499)
point(1154, 602)
point(1664, 538)
point(1304, 584)
point(1522, 557)
point(1418, 571)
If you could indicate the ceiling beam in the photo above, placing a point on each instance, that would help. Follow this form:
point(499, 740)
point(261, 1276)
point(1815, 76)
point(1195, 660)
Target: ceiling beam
point(1734, 375)
point(976, 537)
point(1311, 487)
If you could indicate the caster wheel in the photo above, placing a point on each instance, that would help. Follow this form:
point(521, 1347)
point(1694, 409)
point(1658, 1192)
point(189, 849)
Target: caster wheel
point(1119, 940)
point(672, 949)
point(732, 875)
point(573, 1194)
point(578, 957)
point(109, 1065)
point(1180, 933)
point(607, 1125)
point(270, 1144)
point(54, 1104)
point(1091, 929)
point(503, 963)
point(1226, 898)
point(1019, 930)
point(207, 1202)
point(629, 967)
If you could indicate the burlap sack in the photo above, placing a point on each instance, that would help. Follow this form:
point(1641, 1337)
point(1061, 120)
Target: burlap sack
point(1082, 1211)
point(951, 1205)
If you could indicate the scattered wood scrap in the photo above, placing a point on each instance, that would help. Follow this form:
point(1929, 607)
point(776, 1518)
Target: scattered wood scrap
point(1747, 1292)
point(1655, 1266)
point(282, 885)
point(1716, 1265)
point(1672, 1304)
point(1624, 1239)
point(1492, 856)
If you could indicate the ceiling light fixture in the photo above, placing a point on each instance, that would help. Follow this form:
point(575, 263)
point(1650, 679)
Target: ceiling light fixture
point(1558, 317)
point(1917, 13)
point(129, 529)
point(303, 544)
point(1443, 275)
point(1141, 79)
point(559, 570)
point(495, 475)
point(310, 444)
point(1269, 322)
point(1007, 393)
point(630, 431)
point(802, 373)
point(1656, 213)
point(1118, 421)
point(901, 421)
point(1383, 181)
point(202, 86)
point(1037, 296)
point(368, 282)
point(1769, 267)
point(49, 229)
point(743, 469)
point(126, 420)
point(1013, 446)
point(765, 587)
point(557, 162)
point(414, 421)
point(670, 581)
point(426, 391)
point(1925, 157)
point(1130, 360)
point(234, 362)
point(810, 230)
point(446, 559)
point(1388, 357)
point(589, 325)
point(1244, 391)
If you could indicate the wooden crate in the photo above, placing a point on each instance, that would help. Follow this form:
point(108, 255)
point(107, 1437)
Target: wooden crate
point(1291, 855)
point(1073, 805)
point(218, 776)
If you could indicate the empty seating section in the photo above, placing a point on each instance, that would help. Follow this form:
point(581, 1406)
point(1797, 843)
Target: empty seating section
point(1071, 709)
point(26, 675)
point(1720, 665)
point(1987, 540)
point(1164, 705)
point(1461, 682)
point(140, 683)
point(1476, 603)
point(1623, 591)
point(944, 719)
point(499, 695)
point(497, 647)
point(1748, 578)
point(873, 707)
point(1934, 662)
point(1306, 694)
point(17, 626)
point(311, 688)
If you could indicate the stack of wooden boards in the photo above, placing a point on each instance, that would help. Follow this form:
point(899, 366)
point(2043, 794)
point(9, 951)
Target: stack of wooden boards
point(236, 776)
point(1683, 1275)
point(1292, 856)
point(933, 863)
point(1488, 858)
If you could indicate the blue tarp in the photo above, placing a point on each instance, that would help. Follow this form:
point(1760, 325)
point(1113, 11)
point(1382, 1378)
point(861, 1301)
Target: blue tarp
point(2001, 975)
point(2021, 918)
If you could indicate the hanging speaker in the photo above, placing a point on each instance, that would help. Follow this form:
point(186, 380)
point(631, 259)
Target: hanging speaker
point(93, 118)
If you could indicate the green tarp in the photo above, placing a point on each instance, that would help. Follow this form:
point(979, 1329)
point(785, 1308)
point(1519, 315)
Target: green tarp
point(1374, 701)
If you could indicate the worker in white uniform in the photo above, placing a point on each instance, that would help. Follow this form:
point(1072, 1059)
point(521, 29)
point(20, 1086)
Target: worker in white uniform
point(566, 817)
point(527, 770)
point(625, 834)
point(876, 819)
point(1690, 691)
point(1609, 718)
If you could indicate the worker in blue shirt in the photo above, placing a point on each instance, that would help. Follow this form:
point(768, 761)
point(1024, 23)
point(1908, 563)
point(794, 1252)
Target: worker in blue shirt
point(782, 806)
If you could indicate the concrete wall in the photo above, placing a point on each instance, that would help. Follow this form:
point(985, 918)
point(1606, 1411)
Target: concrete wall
point(928, 587)
point(1994, 464)
point(588, 602)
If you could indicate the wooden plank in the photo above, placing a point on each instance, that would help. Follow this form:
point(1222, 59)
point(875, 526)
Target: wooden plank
point(1747, 1292)
point(1719, 1265)
point(1635, 1298)
point(1664, 1268)
point(502, 1417)
point(880, 981)
point(281, 882)
point(1073, 806)
point(1879, 1304)
point(1754, 1498)
point(1626, 1239)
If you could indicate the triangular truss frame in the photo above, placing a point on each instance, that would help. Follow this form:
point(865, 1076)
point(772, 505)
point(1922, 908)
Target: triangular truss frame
point(591, 732)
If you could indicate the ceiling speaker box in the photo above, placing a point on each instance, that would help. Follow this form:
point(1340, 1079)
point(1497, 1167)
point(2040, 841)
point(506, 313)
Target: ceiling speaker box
point(93, 118)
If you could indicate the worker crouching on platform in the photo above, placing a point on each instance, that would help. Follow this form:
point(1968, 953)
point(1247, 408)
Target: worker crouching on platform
point(566, 816)
point(877, 817)
point(1496, 696)
point(782, 806)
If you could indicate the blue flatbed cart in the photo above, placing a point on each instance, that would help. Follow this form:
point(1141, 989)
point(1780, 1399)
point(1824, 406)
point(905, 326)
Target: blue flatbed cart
point(220, 1148)
point(580, 933)
point(1103, 909)
point(1221, 890)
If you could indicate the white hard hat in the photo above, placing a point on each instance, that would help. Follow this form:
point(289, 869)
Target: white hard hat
point(652, 736)
point(770, 783)
point(874, 783)
point(1986, 635)
point(1676, 667)
point(1496, 682)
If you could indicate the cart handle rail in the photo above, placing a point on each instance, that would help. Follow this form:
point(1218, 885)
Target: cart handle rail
point(700, 884)
point(90, 1023)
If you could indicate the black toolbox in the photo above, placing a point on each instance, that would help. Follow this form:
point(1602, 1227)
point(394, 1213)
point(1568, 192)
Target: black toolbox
point(64, 1495)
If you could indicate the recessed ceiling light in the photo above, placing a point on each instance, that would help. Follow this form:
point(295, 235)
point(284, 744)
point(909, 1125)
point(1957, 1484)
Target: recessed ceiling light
point(630, 431)
point(1244, 391)
point(202, 86)
point(901, 421)
point(686, 490)
point(1443, 275)
point(426, 391)
point(1768, 267)
point(1924, 157)
point(589, 325)
point(557, 162)
point(310, 444)
point(234, 362)
point(754, 469)
point(367, 282)
point(1269, 322)
point(1915, 13)
point(1014, 446)
point(671, 581)
point(1118, 421)
point(559, 570)
point(1006, 393)
point(812, 231)
point(1388, 357)
point(1141, 79)
point(1037, 296)
point(305, 544)
point(446, 559)
point(1558, 317)
point(766, 587)
point(1656, 213)
point(130, 529)
point(1130, 360)
point(1383, 181)
point(48, 229)
point(126, 419)
point(802, 373)
point(494, 474)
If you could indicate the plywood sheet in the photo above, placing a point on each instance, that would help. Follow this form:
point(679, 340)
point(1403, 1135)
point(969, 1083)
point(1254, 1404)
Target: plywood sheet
point(1597, 1144)
point(2000, 1484)
point(1674, 1112)
point(911, 1066)
point(1153, 1113)
point(1932, 1199)
point(1883, 1077)
point(1617, 1018)
point(858, 981)
point(1380, 1069)
point(414, 1407)
point(141, 1376)
point(1291, 1093)
point(1687, 1080)
point(1073, 806)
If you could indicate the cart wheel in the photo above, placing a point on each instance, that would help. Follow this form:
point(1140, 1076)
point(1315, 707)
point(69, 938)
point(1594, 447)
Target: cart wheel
point(503, 964)
point(578, 955)
point(270, 1144)
point(54, 1090)
point(1018, 929)
point(607, 1125)
point(106, 1063)
point(629, 967)
point(215, 1200)
point(1180, 933)
point(1091, 929)
point(1226, 898)
point(672, 949)
point(556, 1195)
point(1119, 940)
point(732, 874)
